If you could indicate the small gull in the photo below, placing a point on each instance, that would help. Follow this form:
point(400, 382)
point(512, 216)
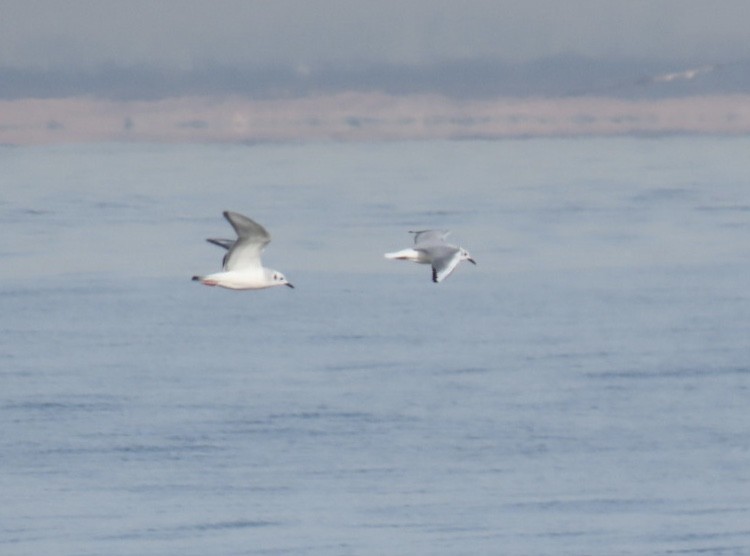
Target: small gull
point(430, 248)
point(242, 269)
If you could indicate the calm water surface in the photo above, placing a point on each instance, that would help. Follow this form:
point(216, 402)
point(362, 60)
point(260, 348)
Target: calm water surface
point(583, 390)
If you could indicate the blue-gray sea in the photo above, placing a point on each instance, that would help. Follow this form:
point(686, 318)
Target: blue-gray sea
point(583, 390)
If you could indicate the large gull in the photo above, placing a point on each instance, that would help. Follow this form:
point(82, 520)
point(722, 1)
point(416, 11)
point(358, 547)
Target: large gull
point(242, 268)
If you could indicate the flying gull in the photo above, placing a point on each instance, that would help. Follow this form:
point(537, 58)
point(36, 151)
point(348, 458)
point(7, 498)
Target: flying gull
point(242, 268)
point(430, 248)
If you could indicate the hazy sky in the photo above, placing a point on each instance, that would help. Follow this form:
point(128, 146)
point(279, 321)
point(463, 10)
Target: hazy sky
point(306, 33)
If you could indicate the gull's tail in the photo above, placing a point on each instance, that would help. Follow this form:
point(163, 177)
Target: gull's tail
point(404, 254)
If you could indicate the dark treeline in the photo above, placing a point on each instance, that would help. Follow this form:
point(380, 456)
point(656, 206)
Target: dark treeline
point(562, 76)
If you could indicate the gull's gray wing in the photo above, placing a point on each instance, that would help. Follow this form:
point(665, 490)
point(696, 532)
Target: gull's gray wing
point(225, 243)
point(251, 239)
point(445, 263)
point(427, 236)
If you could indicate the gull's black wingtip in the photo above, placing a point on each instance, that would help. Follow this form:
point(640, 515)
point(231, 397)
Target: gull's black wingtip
point(196, 278)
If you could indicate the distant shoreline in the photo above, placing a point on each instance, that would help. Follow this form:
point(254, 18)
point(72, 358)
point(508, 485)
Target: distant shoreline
point(356, 116)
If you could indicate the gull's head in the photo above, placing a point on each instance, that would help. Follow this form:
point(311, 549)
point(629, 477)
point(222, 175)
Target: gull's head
point(465, 256)
point(280, 280)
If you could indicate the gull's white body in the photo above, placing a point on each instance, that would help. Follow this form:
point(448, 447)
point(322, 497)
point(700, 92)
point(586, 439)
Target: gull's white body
point(242, 268)
point(430, 248)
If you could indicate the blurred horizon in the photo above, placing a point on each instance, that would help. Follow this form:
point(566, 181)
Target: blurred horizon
point(477, 78)
point(257, 71)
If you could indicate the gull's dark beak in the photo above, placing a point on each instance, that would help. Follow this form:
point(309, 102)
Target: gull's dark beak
point(288, 285)
point(472, 261)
